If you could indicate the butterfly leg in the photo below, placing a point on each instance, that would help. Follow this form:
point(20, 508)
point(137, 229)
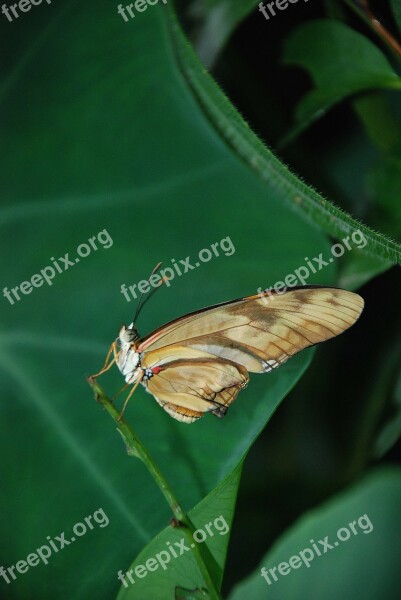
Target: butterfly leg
point(220, 412)
point(120, 391)
point(107, 365)
point(138, 381)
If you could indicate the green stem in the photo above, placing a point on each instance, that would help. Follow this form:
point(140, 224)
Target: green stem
point(136, 448)
point(364, 13)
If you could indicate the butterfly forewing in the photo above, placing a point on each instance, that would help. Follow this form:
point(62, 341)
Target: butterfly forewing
point(260, 332)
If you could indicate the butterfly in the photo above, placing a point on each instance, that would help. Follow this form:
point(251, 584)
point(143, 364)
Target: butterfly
point(199, 363)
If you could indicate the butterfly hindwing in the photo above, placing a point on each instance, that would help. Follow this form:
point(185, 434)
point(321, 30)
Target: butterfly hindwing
point(187, 388)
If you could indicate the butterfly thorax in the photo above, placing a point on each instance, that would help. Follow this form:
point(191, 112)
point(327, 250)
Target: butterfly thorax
point(129, 359)
point(129, 362)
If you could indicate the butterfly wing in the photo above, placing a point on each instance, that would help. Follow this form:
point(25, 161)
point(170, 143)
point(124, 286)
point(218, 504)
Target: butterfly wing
point(258, 332)
point(187, 388)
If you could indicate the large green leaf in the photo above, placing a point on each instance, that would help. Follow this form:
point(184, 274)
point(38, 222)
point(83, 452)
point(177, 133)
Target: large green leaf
point(102, 131)
point(341, 62)
point(366, 565)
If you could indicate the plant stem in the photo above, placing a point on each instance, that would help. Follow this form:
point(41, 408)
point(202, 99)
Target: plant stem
point(362, 9)
point(135, 447)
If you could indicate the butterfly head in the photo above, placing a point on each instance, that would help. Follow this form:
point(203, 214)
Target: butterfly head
point(128, 335)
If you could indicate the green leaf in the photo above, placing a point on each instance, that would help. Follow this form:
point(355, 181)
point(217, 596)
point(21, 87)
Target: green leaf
point(115, 141)
point(341, 63)
point(374, 111)
point(357, 269)
point(389, 386)
point(366, 565)
point(275, 175)
point(186, 594)
point(379, 422)
point(181, 571)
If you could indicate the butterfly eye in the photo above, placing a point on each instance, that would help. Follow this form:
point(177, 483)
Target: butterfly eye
point(128, 334)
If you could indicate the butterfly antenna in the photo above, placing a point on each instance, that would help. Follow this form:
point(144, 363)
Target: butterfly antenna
point(142, 304)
